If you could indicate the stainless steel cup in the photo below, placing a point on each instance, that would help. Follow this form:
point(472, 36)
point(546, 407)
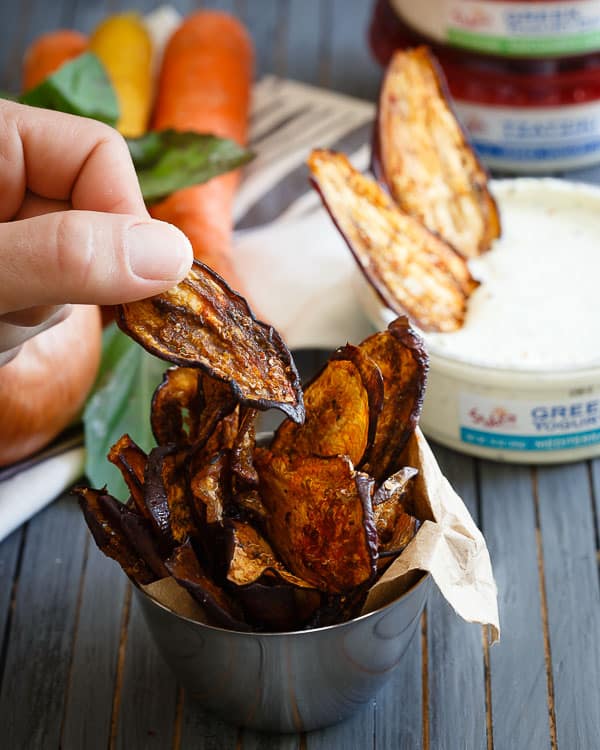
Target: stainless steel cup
point(287, 682)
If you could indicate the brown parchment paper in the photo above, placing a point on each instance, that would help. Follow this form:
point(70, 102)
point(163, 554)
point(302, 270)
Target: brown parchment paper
point(448, 545)
point(168, 592)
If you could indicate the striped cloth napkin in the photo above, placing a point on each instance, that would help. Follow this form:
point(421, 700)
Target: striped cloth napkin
point(297, 268)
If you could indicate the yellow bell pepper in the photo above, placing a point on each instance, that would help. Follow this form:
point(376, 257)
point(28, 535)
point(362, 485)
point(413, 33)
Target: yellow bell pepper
point(124, 47)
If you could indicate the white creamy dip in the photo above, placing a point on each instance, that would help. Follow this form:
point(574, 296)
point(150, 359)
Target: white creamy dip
point(520, 381)
point(538, 307)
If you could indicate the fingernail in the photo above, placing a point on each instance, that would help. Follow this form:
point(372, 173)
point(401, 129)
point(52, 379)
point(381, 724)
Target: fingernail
point(158, 251)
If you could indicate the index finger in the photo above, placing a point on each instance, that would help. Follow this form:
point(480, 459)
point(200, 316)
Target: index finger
point(64, 157)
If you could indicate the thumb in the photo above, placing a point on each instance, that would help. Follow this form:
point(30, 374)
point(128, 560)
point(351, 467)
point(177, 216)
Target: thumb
point(88, 257)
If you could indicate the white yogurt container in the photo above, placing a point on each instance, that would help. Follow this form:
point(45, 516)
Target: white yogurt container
point(521, 380)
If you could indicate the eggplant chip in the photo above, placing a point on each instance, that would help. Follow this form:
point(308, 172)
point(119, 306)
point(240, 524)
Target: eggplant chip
point(249, 504)
point(320, 518)
point(278, 607)
point(396, 488)
point(224, 434)
point(242, 453)
point(389, 503)
point(188, 405)
point(394, 538)
point(403, 361)
point(250, 558)
point(166, 494)
point(139, 533)
point(109, 536)
point(424, 157)
point(209, 486)
point(203, 323)
point(342, 406)
point(176, 404)
point(414, 271)
point(130, 459)
point(186, 569)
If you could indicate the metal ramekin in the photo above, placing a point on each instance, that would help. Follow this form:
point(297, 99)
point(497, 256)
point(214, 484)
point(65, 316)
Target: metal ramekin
point(287, 682)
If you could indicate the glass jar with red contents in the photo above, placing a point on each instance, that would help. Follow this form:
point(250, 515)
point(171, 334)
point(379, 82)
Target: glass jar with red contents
point(525, 78)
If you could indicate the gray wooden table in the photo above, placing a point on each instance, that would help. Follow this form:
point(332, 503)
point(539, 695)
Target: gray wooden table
point(78, 670)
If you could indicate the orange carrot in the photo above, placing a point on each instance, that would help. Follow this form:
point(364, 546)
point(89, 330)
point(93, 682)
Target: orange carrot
point(205, 87)
point(48, 52)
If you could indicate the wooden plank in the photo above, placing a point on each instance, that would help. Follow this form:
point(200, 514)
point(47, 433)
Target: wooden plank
point(148, 697)
point(304, 40)
point(19, 26)
point(45, 17)
point(184, 7)
point(262, 741)
point(356, 732)
point(11, 50)
point(595, 479)
point(399, 706)
point(519, 693)
point(10, 554)
point(87, 16)
point(573, 599)
point(266, 21)
point(457, 707)
point(43, 627)
point(203, 731)
point(87, 717)
point(141, 6)
point(353, 69)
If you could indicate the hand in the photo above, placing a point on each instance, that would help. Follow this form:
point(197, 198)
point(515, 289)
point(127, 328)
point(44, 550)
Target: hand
point(75, 227)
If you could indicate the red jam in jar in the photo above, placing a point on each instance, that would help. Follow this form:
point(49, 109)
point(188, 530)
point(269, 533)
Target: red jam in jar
point(526, 111)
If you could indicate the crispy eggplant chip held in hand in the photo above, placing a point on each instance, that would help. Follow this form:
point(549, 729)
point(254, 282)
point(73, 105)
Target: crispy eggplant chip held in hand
point(203, 323)
point(186, 569)
point(424, 157)
point(320, 519)
point(342, 406)
point(401, 356)
point(414, 271)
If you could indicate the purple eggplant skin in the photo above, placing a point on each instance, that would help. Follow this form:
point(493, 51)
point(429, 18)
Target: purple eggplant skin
point(164, 307)
point(186, 569)
point(403, 395)
point(155, 493)
point(138, 531)
point(279, 607)
point(366, 487)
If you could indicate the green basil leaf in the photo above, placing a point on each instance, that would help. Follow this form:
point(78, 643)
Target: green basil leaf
point(79, 87)
point(169, 160)
point(119, 404)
